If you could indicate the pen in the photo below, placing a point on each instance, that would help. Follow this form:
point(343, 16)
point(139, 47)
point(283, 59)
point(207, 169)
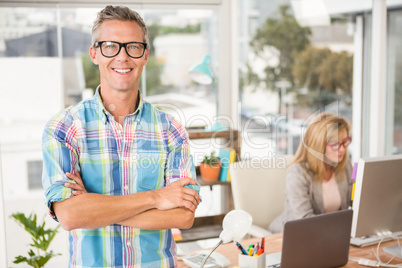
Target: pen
point(261, 249)
point(250, 250)
point(241, 248)
point(256, 247)
point(255, 250)
point(263, 244)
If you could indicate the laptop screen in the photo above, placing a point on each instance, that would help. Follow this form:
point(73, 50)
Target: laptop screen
point(320, 241)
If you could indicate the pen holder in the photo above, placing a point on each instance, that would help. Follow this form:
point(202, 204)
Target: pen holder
point(246, 261)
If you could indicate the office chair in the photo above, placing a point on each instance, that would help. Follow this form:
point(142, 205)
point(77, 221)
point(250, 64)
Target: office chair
point(258, 187)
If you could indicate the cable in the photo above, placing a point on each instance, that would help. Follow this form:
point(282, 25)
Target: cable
point(378, 262)
point(377, 254)
point(372, 263)
point(209, 254)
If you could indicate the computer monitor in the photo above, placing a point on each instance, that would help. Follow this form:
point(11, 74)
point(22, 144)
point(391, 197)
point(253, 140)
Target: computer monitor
point(377, 203)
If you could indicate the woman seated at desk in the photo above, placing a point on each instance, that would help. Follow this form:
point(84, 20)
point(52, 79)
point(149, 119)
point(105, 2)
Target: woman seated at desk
point(319, 179)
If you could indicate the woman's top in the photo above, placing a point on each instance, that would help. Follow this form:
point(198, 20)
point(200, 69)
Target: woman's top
point(304, 198)
point(330, 195)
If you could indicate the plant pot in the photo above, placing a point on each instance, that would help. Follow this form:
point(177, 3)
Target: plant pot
point(210, 173)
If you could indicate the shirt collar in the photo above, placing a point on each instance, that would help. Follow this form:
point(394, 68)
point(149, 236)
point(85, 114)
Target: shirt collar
point(104, 114)
point(140, 107)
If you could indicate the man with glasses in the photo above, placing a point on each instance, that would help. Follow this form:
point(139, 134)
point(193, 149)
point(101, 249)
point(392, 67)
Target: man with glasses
point(117, 171)
point(320, 178)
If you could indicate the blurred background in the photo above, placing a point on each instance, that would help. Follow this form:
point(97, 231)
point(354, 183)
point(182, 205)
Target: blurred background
point(274, 64)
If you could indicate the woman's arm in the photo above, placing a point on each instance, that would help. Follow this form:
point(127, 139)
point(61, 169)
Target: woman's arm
point(298, 183)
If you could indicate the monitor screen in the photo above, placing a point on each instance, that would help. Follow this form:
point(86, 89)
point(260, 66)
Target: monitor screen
point(377, 203)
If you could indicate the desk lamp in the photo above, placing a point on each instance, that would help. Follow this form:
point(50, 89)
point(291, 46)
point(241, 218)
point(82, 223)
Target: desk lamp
point(235, 225)
point(201, 72)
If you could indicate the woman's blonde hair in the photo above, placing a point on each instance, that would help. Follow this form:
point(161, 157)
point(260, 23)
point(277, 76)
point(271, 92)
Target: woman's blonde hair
point(311, 152)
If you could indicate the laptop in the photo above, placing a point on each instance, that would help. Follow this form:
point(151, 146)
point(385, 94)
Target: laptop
point(320, 241)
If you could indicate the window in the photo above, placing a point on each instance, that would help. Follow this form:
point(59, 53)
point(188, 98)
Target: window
point(180, 38)
point(285, 79)
point(46, 67)
point(394, 83)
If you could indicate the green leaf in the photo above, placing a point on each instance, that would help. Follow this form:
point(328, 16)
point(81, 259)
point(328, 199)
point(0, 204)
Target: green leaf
point(211, 159)
point(41, 239)
point(20, 259)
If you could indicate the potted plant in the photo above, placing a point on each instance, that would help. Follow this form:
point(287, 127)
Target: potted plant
point(210, 167)
point(39, 254)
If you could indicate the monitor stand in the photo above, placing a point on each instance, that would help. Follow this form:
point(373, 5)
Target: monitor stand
point(394, 251)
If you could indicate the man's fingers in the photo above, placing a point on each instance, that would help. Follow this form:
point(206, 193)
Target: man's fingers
point(190, 190)
point(192, 198)
point(77, 174)
point(186, 181)
point(71, 185)
point(74, 186)
point(189, 205)
point(77, 192)
point(193, 193)
point(74, 176)
point(178, 194)
point(78, 187)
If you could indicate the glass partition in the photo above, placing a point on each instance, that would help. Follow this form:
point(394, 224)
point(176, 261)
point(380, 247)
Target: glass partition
point(46, 67)
point(297, 61)
point(394, 82)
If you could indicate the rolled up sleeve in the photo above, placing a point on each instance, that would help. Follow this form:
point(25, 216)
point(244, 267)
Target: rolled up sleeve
point(59, 157)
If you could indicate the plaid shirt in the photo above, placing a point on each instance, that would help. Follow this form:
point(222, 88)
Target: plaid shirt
point(149, 152)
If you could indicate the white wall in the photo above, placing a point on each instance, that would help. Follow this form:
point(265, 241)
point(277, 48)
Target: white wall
point(31, 88)
point(30, 94)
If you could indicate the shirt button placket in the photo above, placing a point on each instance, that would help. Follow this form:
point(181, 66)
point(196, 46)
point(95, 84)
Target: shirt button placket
point(127, 169)
point(128, 252)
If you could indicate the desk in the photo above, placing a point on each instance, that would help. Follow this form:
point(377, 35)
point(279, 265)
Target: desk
point(273, 243)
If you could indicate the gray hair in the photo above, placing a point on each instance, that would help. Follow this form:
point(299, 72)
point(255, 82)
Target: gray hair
point(121, 13)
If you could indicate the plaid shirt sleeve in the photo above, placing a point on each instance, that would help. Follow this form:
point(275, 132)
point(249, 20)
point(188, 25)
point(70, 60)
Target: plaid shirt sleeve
point(59, 157)
point(179, 162)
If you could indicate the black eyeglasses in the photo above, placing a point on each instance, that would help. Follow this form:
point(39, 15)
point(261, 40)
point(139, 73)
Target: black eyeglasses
point(336, 145)
point(110, 49)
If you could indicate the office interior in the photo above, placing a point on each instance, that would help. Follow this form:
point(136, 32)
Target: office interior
point(265, 83)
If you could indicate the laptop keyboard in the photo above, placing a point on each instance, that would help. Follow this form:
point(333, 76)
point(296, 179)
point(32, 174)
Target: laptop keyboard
point(196, 261)
point(273, 260)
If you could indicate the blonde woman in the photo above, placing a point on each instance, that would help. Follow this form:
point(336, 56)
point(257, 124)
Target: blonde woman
point(319, 179)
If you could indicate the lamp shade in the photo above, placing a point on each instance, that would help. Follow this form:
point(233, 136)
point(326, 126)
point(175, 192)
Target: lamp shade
point(201, 72)
point(235, 225)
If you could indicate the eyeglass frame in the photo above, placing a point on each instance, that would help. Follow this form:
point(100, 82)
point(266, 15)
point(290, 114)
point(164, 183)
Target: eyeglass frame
point(99, 44)
point(339, 144)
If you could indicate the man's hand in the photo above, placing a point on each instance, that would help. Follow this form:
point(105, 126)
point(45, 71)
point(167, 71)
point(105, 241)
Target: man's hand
point(172, 196)
point(78, 187)
point(176, 195)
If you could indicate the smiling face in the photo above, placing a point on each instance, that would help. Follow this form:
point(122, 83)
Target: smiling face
point(120, 73)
